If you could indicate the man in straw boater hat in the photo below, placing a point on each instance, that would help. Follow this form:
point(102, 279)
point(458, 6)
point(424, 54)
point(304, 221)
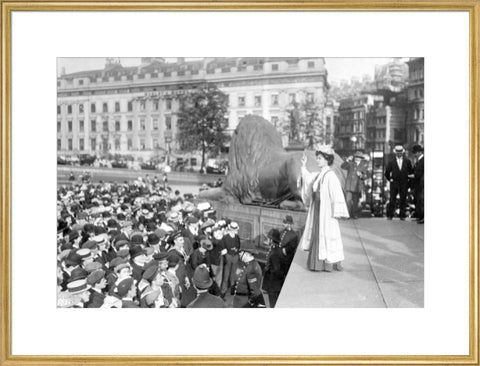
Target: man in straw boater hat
point(356, 173)
point(397, 172)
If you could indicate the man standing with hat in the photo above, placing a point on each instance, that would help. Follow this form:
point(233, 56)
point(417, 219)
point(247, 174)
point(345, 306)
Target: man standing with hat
point(248, 292)
point(202, 281)
point(231, 242)
point(418, 182)
point(397, 172)
point(356, 168)
point(288, 240)
point(276, 268)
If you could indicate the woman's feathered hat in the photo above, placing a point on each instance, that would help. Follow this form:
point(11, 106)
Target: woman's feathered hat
point(325, 149)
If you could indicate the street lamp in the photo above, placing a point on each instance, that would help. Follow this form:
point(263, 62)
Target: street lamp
point(202, 103)
point(354, 141)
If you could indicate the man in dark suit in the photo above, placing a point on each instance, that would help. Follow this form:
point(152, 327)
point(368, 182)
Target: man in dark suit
point(418, 183)
point(397, 172)
point(288, 240)
point(356, 169)
point(248, 290)
point(275, 268)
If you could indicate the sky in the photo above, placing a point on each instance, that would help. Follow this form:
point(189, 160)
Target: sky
point(338, 68)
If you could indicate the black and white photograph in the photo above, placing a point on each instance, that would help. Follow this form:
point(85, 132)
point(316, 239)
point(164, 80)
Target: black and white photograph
point(240, 182)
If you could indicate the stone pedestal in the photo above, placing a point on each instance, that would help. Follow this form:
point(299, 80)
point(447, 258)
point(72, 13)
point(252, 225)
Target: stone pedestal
point(255, 222)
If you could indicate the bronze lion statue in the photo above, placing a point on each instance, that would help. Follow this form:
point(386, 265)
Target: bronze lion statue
point(260, 169)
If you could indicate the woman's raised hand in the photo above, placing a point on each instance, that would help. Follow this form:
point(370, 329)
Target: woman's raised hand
point(304, 159)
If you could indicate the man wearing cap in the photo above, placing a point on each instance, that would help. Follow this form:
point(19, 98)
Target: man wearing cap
point(248, 293)
point(356, 168)
point(98, 282)
point(288, 240)
point(126, 291)
point(275, 268)
point(397, 172)
point(418, 182)
point(231, 242)
point(202, 281)
point(137, 261)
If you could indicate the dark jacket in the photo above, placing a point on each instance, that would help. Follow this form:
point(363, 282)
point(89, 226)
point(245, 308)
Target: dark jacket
point(96, 299)
point(354, 182)
point(400, 177)
point(289, 242)
point(418, 171)
point(206, 300)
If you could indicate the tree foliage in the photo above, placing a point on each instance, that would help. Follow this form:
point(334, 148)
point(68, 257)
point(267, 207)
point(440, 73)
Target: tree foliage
point(305, 124)
point(201, 119)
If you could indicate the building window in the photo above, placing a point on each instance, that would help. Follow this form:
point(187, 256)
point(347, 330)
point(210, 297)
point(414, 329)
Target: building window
point(117, 126)
point(142, 144)
point(420, 91)
point(142, 124)
point(168, 104)
point(82, 144)
point(80, 108)
point(415, 114)
point(70, 144)
point(70, 126)
point(130, 125)
point(130, 106)
point(168, 122)
point(155, 105)
point(117, 106)
point(155, 124)
point(93, 108)
point(292, 98)
point(155, 143)
point(275, 67)
point(117, 144)
point(311, 64)
point(258, 100)
point(129, 144)
point(105, 126)
point(105, 108)
point(274, 120)
point(93, 125)
point(69, 109)
point(80, 82)
point(274, 99)
point(310, 97)
point(93, 144)
point(241, 101)
point(58, 109)
point(59, 126)
point(142, 105)
point(59, 144)
point(82, 126)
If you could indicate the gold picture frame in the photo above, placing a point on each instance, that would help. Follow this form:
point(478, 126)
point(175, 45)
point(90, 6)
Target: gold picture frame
point(7, 7)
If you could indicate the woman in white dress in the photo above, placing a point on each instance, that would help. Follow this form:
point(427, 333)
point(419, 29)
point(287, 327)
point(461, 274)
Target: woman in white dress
point(322, 194)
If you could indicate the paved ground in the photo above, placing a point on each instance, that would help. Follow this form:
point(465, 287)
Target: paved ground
point(384, 268)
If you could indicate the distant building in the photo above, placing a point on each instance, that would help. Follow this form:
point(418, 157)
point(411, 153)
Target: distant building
point(386, 124)
point(132, 110)
point(392, 76)
point(415, 103)
point(351, 127)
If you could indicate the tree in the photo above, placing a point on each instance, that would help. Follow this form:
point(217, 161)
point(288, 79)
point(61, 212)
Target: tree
point(305, 124)
point(202, 123)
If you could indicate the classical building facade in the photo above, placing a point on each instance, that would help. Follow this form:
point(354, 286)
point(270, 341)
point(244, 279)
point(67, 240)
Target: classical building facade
point(132, 110)
point(415, 103)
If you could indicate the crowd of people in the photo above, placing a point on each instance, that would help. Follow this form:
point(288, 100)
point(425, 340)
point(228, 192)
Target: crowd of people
point(139, 244)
